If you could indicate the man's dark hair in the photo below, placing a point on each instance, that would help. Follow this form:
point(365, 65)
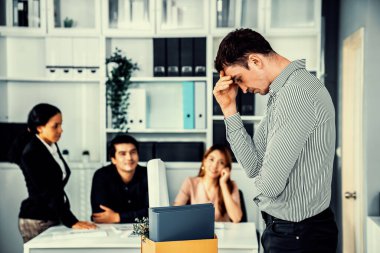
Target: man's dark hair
point(237, 45)
point(119, 139)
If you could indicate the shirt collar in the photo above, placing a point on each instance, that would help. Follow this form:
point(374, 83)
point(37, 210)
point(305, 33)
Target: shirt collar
point(52, 148)
point(280, 80)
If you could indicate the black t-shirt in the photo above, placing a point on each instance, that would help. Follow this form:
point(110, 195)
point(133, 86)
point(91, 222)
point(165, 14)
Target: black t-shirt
point(129, 200)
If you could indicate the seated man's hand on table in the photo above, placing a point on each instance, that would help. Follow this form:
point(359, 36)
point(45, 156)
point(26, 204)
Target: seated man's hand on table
point(108, 216)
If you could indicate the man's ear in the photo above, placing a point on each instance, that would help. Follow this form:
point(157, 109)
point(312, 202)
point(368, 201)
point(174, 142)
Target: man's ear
point(255, 60)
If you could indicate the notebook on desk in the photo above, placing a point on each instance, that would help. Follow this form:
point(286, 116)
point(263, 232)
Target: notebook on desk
point(177, 223)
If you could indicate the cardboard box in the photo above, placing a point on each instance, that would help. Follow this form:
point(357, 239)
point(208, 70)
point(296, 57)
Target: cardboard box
point(189, 246)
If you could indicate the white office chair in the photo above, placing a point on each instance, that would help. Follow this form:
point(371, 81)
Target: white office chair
point(157, 184)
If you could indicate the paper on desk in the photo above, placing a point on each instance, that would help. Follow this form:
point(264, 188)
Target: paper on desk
point(74, 234)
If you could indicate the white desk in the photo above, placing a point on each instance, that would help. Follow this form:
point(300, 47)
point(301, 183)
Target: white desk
point(232, 238)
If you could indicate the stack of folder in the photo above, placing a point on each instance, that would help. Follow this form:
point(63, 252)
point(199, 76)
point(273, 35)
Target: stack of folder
point(179, 223)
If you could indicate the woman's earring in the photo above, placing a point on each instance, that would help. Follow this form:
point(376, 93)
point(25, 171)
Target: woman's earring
point(203, 168)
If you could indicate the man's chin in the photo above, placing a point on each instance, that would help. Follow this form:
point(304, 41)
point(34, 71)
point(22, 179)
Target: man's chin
point(129, 169)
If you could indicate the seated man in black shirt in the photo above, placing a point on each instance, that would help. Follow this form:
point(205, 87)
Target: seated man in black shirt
point(119, 191)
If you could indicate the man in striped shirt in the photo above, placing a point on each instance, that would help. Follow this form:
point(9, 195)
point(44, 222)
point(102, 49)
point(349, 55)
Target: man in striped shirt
point(290, 157)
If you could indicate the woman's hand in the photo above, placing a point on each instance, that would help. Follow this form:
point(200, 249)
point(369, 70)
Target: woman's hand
point(84, 225)
point(225, 92)
point(224, 176)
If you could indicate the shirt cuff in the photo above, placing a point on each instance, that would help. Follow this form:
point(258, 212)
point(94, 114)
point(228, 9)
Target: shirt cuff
point(233, 123)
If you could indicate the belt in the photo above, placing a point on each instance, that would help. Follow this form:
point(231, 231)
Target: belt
point(326, 214)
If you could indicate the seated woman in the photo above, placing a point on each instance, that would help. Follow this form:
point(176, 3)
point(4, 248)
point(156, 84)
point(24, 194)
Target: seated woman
point(213, 184)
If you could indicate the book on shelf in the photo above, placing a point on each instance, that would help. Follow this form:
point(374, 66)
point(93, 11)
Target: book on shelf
point(186, 56)
point(188, 104)
point(172, 56)
point(137, 109)
point(200, 105)
point(159, 57)
point(199, 58)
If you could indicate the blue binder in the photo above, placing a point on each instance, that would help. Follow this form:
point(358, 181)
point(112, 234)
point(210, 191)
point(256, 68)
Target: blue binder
point(188, 104)
point(178, 223)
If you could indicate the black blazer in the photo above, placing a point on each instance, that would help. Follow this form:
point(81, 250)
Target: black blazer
point(47, 199)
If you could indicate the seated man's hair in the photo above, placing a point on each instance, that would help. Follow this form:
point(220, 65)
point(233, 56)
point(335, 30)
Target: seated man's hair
point(120, 139)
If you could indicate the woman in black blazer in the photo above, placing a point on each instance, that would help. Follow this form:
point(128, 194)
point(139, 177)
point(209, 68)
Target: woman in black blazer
point(46, 174)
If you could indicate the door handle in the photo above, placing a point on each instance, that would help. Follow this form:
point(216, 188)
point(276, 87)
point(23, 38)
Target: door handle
point(350, 195)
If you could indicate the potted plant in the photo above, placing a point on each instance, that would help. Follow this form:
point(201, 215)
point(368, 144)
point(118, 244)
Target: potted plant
point(119, 71)
point(141, 228)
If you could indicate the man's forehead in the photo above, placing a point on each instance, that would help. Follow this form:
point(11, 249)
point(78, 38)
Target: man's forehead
point(232, 70)
point(120, 147)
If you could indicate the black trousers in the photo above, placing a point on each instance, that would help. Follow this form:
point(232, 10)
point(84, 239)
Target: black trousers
point(312, 235)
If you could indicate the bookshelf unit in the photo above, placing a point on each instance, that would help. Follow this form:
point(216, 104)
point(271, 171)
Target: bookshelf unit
point(55, 61)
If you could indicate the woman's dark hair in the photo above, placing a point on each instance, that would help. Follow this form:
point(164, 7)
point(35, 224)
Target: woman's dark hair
point(38, 116)
point(237, 45)
point(227, 156)
point(119, 139)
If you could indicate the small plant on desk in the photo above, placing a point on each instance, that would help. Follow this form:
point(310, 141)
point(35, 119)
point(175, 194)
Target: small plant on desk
point(141, 228)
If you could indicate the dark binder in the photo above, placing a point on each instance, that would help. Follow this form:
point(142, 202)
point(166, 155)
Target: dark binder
point(147, 151)
point(178, 223)
point(247, 104)
point(186, 47)
point(219, 134)
point(3, 19)
point(159, 57)
point(172, 56)
point(180, 151)
point(199, 57)
point(22, 7)
point(215, 106)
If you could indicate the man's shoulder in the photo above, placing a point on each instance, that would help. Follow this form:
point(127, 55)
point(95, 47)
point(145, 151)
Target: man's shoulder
point(104, 171)
point(141, 170)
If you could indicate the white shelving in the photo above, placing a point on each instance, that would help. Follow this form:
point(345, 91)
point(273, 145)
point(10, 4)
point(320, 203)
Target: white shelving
point(107, 24)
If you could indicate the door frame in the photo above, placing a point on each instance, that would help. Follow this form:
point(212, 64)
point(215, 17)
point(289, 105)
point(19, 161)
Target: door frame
point(353, 211)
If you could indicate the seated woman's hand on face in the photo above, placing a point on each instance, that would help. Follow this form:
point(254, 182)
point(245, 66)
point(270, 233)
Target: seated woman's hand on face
point(224, 176)
point(84, 225)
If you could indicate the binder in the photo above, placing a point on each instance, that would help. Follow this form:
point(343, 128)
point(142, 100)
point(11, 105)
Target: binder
point(137, 109)
point(146, 151)
point(247, 104)
point(159, 59)
point(199, 57)
point(177, 223)
point(180, 151)
point(215, 106)
point(172, 56)
point(22, 12)
point(188, 104)
point(219, 135)
point(157, 183)
point(186, 56)
point(200, 105)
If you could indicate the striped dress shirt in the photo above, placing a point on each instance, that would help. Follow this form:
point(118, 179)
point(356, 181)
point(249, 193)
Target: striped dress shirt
point(290, 157)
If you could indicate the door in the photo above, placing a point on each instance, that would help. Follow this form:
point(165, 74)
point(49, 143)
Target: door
point(352, 144)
